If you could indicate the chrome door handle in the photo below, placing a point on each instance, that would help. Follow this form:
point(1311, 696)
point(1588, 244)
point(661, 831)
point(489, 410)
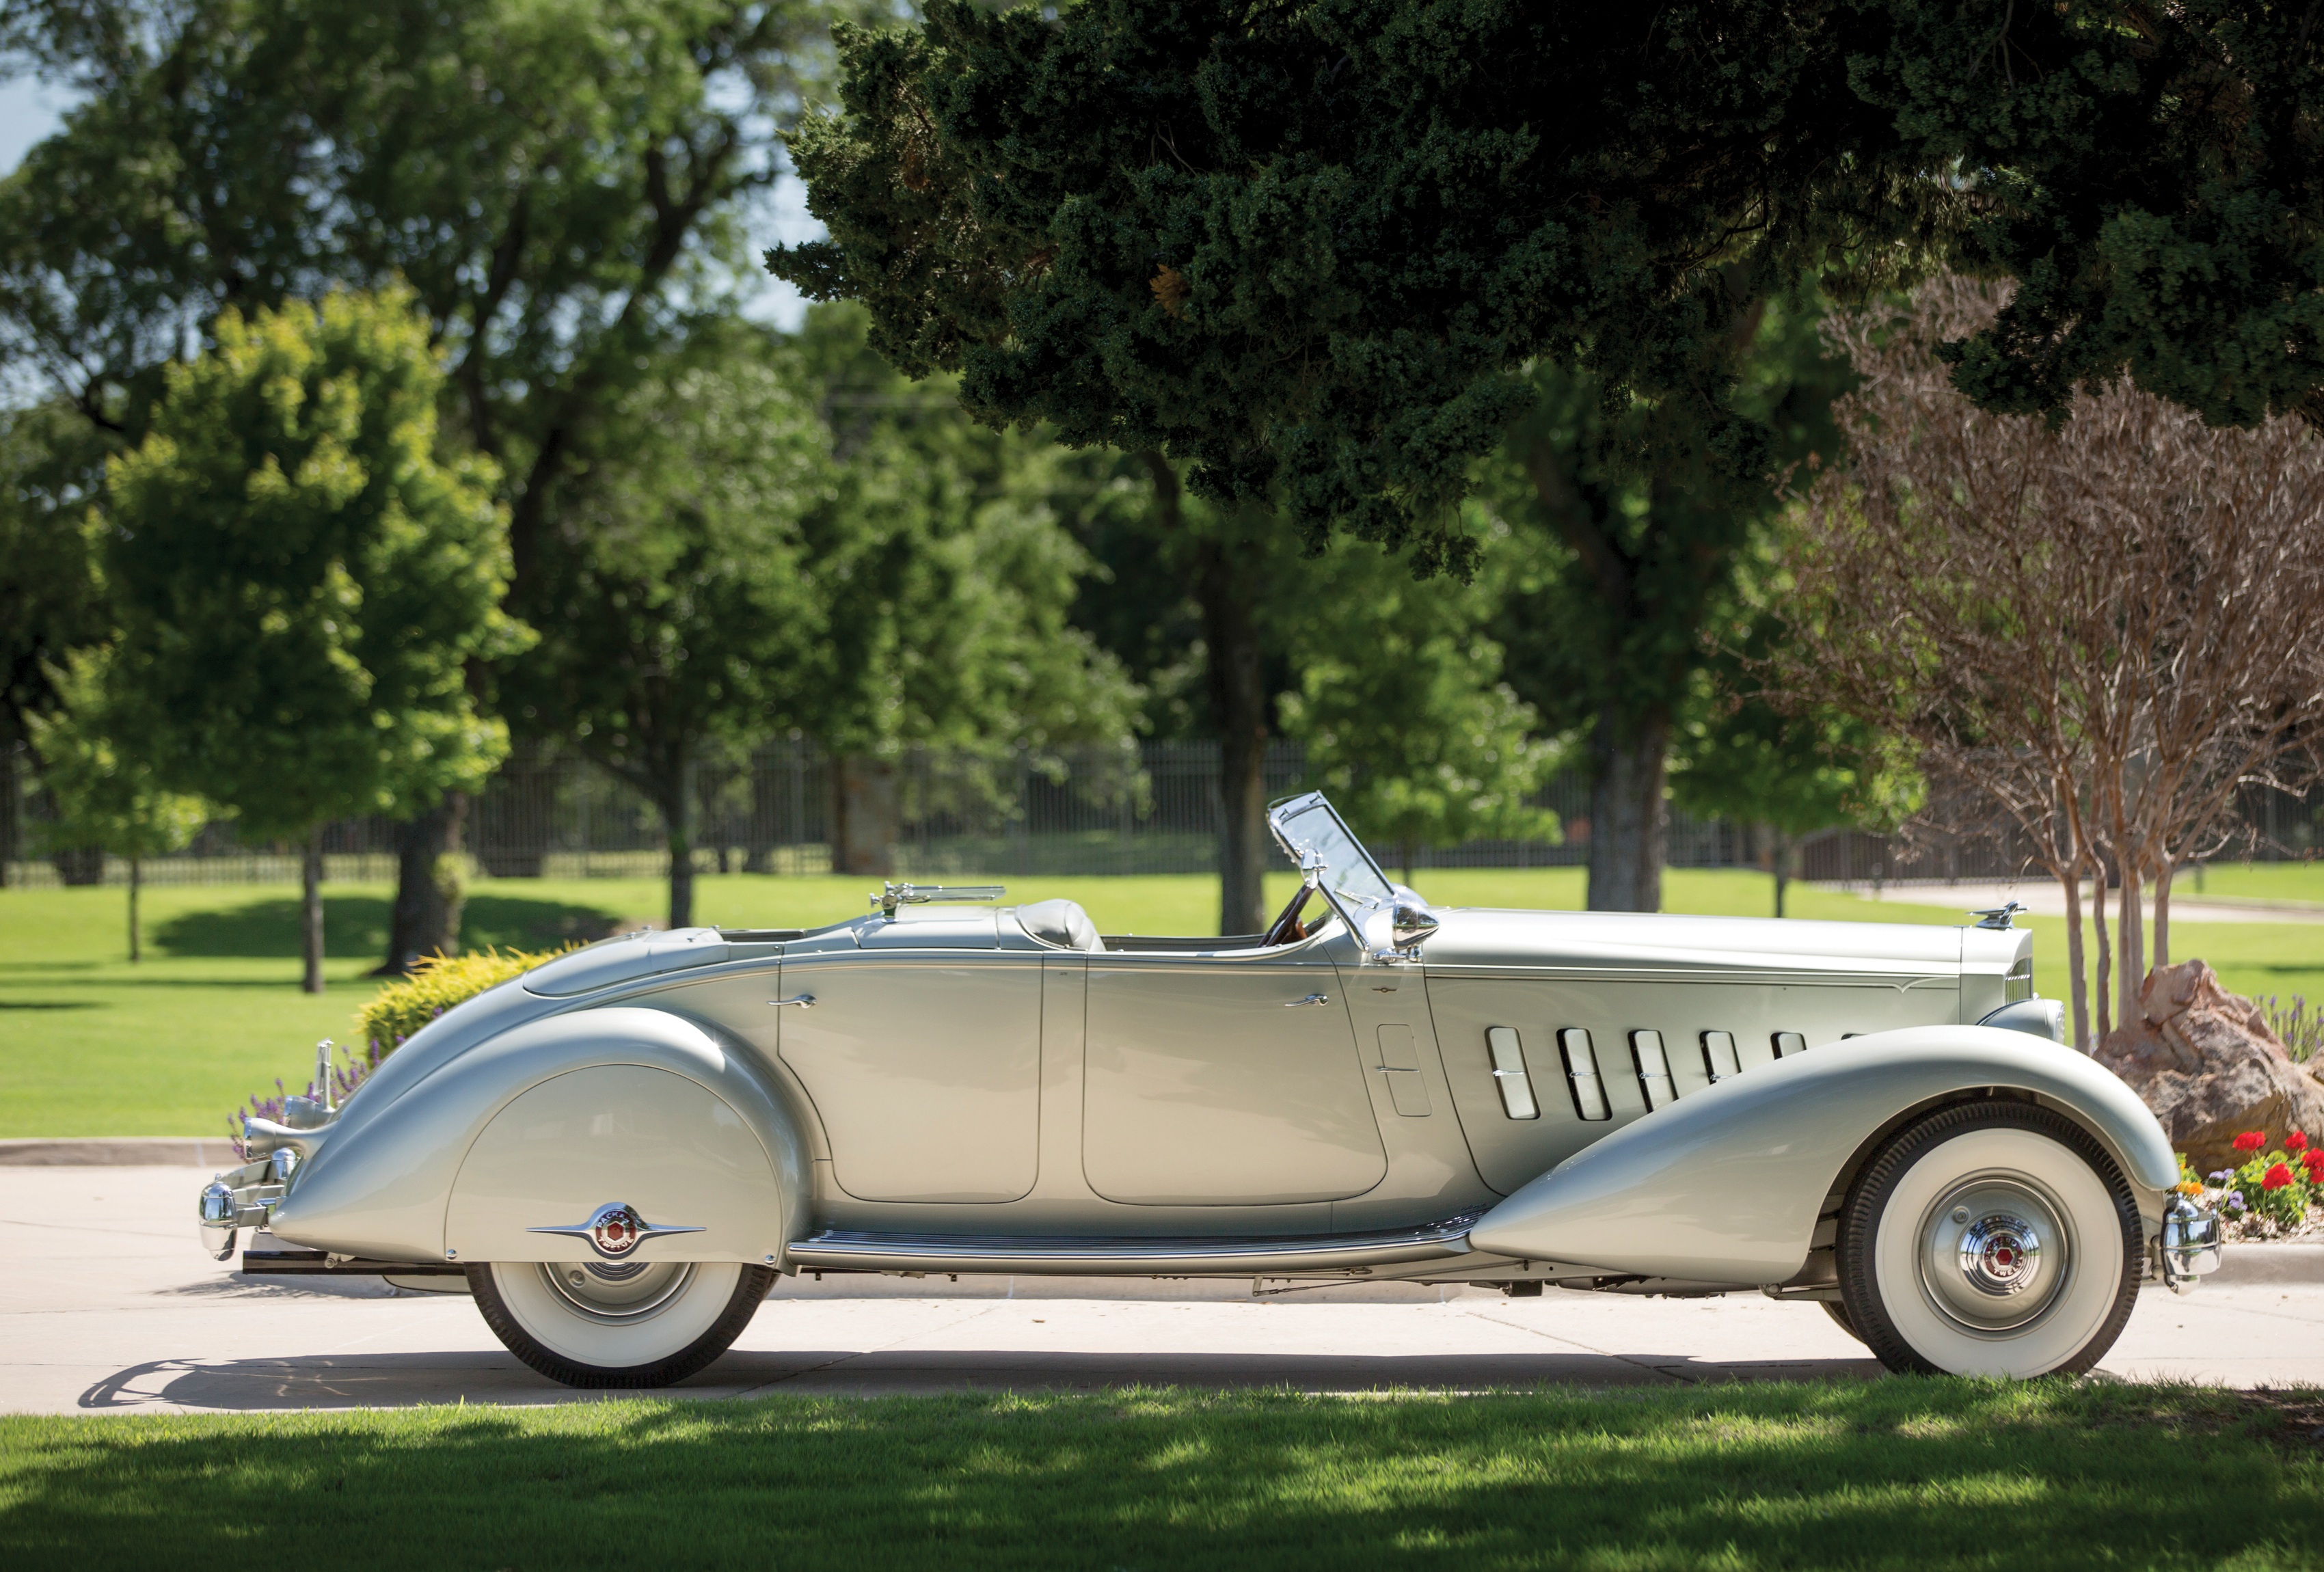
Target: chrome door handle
point(805, 1001)
point(1312, 998)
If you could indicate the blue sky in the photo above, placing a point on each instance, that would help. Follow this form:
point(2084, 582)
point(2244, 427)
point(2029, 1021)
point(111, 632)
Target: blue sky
point(28, 112)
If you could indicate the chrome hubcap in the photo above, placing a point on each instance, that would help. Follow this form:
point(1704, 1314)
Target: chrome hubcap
point(623, 1292)
point(1994, 1253)
point(2001, 1254)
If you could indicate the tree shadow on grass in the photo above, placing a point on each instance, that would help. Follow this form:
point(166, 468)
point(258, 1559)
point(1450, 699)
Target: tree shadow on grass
point(358, 925)
point(524, 922)
point(1880, 1474)
point(352, 925)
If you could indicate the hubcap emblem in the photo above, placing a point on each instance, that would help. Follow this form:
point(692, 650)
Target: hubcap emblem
point(614, 1230)
point(2000, 1255)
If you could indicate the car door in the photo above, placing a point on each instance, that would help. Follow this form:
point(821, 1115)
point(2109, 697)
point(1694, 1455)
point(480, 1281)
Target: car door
point(924, 1065)
point(1216, 1080)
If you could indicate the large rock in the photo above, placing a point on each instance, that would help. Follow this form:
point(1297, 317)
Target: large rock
point(2211, 1067)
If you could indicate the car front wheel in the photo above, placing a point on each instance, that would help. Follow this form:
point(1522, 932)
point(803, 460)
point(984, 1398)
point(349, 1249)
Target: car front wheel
point(1990, 1240)
point(587, 1323)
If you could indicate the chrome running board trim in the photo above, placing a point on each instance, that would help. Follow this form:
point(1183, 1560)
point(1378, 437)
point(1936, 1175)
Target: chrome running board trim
point(1023, 1256)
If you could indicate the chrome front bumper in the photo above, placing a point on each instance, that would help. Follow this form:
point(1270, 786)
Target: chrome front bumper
point(242, 1198)
point(2190, 1243)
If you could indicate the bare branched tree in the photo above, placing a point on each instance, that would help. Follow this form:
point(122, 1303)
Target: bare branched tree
point(2106, 626)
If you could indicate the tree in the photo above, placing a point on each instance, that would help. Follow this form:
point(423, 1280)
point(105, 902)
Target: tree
point(678, 612)
point(1796, 772)
point(1634, 538)
point(1311, 249)
point(560, 186)
point(302, 583)
point(947, 583)
point(1316, 251)
point(107, 798)
point(2105, 625)
point(51, 465)
point(1401, 707)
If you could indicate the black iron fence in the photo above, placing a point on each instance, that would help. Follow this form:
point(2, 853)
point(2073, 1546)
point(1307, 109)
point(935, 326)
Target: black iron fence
point(1148, 809)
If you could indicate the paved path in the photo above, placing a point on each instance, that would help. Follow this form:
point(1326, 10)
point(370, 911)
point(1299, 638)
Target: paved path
point(2046, 898)
point(108, 1306)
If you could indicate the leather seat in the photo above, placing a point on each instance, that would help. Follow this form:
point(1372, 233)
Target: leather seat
point(1063, 923)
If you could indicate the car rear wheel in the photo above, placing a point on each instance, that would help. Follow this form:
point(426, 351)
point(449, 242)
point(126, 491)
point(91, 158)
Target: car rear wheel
point(591, 1323)
point(1990, 1240)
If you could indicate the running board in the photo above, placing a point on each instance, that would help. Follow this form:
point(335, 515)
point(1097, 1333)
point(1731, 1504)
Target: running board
point(299, 1263)
point(1023, 1256)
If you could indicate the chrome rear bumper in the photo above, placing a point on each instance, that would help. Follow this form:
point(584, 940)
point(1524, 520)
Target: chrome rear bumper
point(2190, 1243)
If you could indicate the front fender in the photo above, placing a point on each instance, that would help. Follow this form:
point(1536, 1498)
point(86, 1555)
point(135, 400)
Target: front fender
point(557, 1117)
point(1726, 1185)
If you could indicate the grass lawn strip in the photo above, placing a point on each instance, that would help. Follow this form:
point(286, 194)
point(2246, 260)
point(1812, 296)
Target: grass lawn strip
point(1901, 1473)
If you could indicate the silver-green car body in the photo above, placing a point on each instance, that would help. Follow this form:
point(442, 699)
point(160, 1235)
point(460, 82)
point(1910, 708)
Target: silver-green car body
point(1384, 1089)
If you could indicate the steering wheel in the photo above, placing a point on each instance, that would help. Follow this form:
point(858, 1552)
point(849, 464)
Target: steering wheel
point(1287, 929)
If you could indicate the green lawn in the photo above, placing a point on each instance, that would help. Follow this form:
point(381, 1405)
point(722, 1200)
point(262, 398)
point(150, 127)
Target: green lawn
point(90, 1045)
point(1898, 1473)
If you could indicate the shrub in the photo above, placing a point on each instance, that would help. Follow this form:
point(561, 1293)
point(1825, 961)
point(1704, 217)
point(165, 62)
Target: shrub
point(2299, 1028)
point(434, 985)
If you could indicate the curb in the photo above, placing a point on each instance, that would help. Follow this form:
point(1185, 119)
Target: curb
point(2259, 1265)
point(122, 1152)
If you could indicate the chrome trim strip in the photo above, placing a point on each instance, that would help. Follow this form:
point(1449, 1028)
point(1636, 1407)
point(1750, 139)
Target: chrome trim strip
point(1488, 970)
point(1220, 1257)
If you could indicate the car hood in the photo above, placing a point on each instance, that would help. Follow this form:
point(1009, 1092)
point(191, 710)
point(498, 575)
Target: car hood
point(1486, 937)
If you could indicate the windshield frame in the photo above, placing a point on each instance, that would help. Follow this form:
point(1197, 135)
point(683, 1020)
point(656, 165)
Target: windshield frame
point(1347, 865)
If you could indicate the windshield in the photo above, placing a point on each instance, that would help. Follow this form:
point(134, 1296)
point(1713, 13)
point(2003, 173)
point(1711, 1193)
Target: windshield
point(1308, 823)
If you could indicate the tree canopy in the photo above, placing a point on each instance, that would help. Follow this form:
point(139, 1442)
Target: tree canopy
point(300, 582)
point(1313, 248)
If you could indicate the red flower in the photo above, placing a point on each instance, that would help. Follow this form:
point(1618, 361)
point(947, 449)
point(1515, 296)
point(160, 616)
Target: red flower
point(2295, 1141)
point(2276, 1177)
point(2250, 1141)
point(2314, 1163)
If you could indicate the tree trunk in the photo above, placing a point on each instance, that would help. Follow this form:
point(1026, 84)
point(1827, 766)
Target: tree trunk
point(429, 885)
point(1238, 703)
point(1783, 865)
point(2104, 989)
point(11, 816)
point(1626, 813)
point(136, 950)
point(1226, 587)
point(2077, 986)
point(865, 821)
point(678, 818)
point(2131, 938)
point(310, 911)
point(2162, 913)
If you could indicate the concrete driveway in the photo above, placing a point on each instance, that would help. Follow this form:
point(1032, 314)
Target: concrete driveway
point(108, 1306)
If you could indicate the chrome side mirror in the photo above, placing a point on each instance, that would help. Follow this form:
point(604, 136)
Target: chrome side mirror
point(1409, 927)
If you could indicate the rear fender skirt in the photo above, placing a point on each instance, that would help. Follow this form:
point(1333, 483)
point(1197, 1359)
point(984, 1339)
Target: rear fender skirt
point(550, 1120)
point(1728, 1183)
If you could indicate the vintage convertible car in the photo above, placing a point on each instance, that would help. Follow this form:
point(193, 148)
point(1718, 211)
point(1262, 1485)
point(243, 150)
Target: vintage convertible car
point(618, 1152)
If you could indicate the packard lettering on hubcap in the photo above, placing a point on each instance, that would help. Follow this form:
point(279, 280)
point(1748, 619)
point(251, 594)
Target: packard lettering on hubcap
point(614, 1230)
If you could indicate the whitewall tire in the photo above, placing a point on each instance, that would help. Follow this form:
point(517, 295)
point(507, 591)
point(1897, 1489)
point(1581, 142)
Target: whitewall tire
point(588, 1323)
point(1990, 1240)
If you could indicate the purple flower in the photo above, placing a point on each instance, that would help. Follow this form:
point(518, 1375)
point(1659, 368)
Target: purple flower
point(2221, 1177)
point(2235, 1199)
